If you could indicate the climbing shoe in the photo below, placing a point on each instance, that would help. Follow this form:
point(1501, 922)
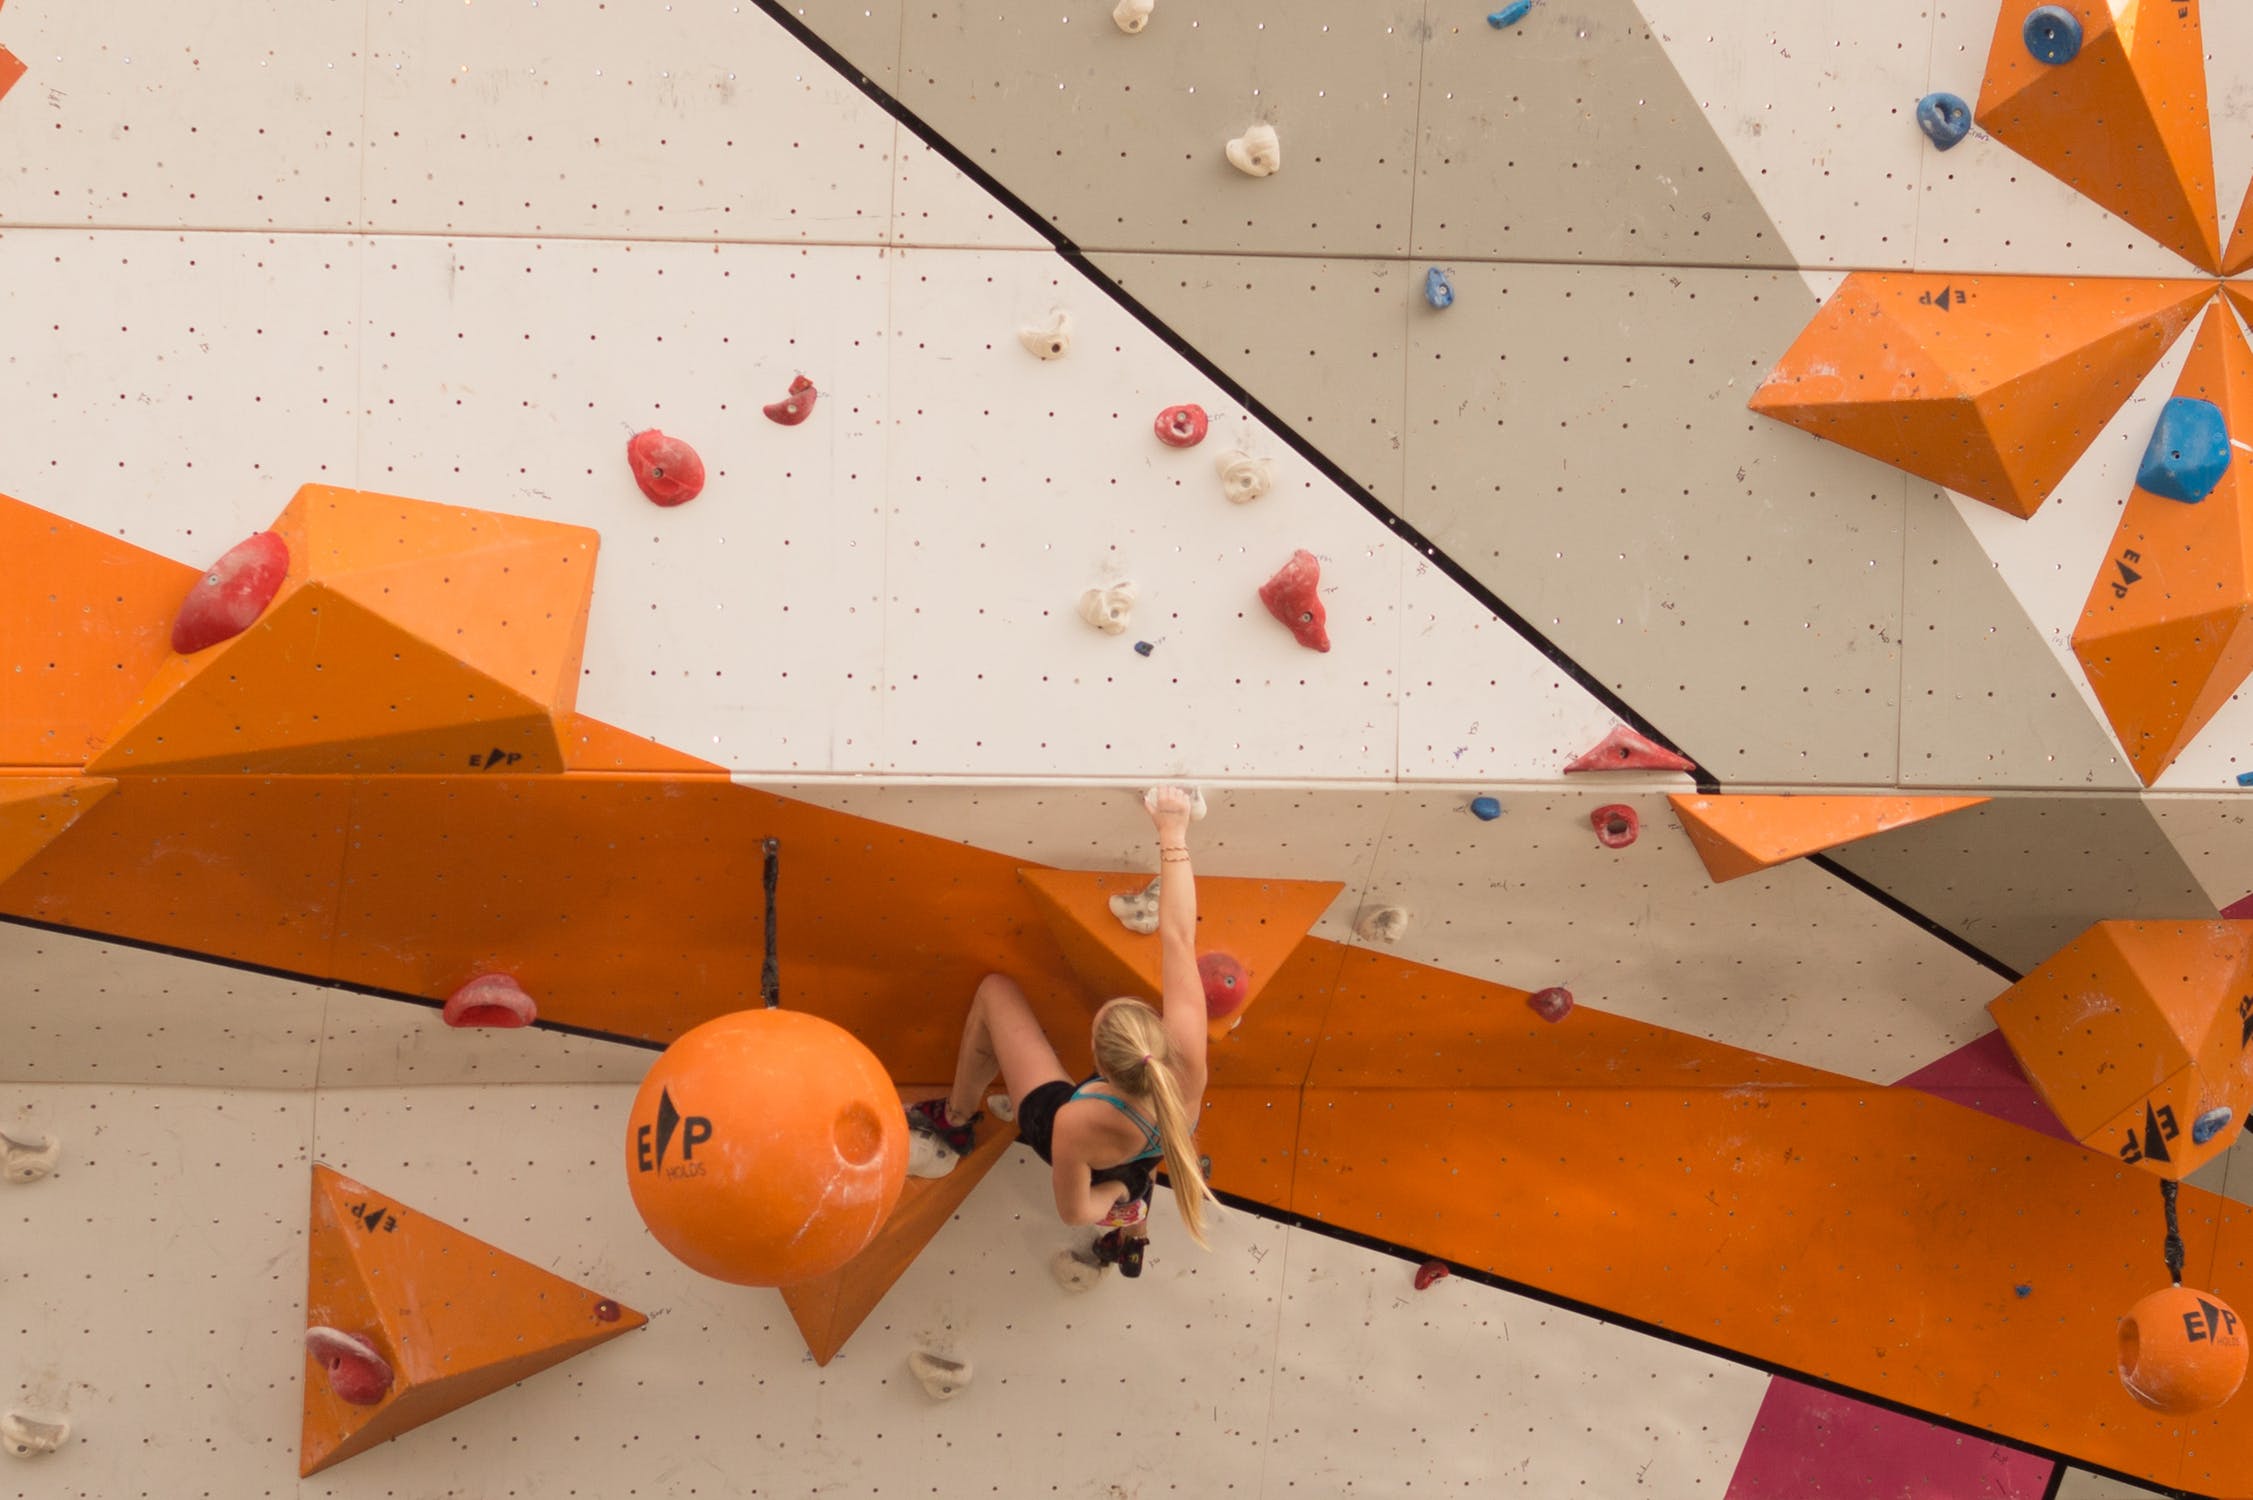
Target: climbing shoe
point(1118, 1248)
point(929, 1117)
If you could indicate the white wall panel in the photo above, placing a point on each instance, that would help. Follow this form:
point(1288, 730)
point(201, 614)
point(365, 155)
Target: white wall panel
point(934, 204)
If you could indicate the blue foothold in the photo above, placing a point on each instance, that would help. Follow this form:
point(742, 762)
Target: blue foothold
point(1944, 118)
point(1143, 648)
point(2210, 1124)
point(2053, 34)
point(1509, 15)
point(2023, 1290)
point(2189, 452)
point(1439, 291)
point(2245, 778)
point(1486, 809)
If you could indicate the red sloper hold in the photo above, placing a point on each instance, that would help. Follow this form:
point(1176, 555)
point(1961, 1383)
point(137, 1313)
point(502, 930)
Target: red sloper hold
point(1625, 750)
point(357, 1374)
point(1293, 596)
point(1181, 426)
point(668, 470)
point(490, 1000)
point(1225, 984)
point(1429, 1272)
point(795, 407)
point(1552, 1004)
point(1616, 825)
point(225, 601)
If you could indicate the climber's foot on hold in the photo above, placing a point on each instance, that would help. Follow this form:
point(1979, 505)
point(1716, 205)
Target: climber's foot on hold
point(1118, 1248)
point(929, 1117)
point(928, 1156)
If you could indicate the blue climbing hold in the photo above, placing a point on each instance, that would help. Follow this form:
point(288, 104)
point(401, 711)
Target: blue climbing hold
point(2053, 34)
point(1510, 15)
point(1438, 290)
point(2210, 1124)
point(1143, 648)
point(1944, 118)
point(2245, 778)
point(2023, 1290)
point(2189, 452)
point(1486, 809)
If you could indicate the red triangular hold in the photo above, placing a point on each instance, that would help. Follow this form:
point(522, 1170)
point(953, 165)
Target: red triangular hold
point(450, 1317)
point(1625, 750)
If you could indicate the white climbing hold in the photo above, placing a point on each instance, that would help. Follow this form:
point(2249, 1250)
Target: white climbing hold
point(1256, 153)
point(928, 1156)
point(1244, 478)
point(943, 1378)
point(1381, 924)
point(1196, 800)
point(27, 1436)
point(1108, 609)
point(1052, 340)
point(1001, 1107)
point(27, 1158)
point(1138, 912)
point(1130, 16)
point(1075, 1272)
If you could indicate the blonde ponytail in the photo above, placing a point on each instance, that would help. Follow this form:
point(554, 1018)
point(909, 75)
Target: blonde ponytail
point(1132, 1051)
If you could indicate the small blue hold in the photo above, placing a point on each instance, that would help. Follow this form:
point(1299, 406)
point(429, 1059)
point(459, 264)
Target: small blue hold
point(1143, 648)
point(1486, 809)
point(1509, 15)
point(2023, 1290)
point(2245, 778)
point(2053, 34)
point(2189, 452)
point(1944, 118)
point(2210, 1124)
point(1439, 291)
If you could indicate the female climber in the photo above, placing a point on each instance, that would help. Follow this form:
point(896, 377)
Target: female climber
point(1104, 1137)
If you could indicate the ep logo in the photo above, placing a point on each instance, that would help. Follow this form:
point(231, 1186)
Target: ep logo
point(693, 1130)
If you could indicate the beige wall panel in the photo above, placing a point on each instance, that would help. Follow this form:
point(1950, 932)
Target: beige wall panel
point(1118, 140)
point(1578, 440)
point(374, 1043)
point(1323, 344)
point(935, 205)
point(2214, 836)
point(1985, 700)
point(2022, 875)
point(2080, 1484)
point(1571, 137)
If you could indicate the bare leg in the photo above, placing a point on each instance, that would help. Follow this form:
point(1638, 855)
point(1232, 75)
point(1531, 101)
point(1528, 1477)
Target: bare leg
point(1002, 1034)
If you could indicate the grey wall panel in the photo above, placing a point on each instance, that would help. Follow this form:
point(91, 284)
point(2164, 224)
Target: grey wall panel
point(1322, 343)
point(865, 32)
point(1571, 137)
point(1578, 439)
point(2023, 874)
point(2214, 835)
point(1984, 700)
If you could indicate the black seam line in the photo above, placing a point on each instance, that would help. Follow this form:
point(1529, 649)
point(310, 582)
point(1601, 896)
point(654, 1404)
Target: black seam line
point(1902, 909)
point(294, 976)
point(1675, 1336)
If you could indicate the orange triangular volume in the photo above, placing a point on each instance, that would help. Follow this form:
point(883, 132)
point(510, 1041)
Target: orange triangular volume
point(406, 638)
point(35, 810)
point(829, 1308)
point(2238, 258)
point(2166, 636)
point(11, 69)
point(592, 745)
point(2124, 123)
point(1256, 922)
point(1739, 835)
point(85, 619)
point(454, 1318)
point(1993, 386)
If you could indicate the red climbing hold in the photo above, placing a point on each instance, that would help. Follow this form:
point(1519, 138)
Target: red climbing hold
point(1294, 596)
point(795, 407)
point(490, 1000)
point(1616, 825)
point(1181, 426)
point(226, 600)
point(356, 1372)
point(667, 469)
point(1552, 1004)
point(1225, 984)
point(1625, 750)
point(1429, 1272)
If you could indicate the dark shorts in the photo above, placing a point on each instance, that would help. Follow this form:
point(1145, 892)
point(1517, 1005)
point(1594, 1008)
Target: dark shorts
point(1036, 1127)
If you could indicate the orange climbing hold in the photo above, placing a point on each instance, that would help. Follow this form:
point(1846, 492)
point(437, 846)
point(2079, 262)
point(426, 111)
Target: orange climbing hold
point(829, 1308)
point(766, 1147)
point(2123, 123)
point(2135, 1030)
point(2182, 1350)
point(408, 1319)
point(2167, 634)
point(1257, 922)
point(1993, 386)
point(407, 637)
point(36, 810)
point(1737, 835)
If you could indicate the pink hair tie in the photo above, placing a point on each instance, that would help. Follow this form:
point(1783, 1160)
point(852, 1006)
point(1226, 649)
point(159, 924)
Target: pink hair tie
point(1145, 1057)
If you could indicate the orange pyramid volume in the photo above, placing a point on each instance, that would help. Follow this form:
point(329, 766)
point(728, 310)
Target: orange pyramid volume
point(1739, 835)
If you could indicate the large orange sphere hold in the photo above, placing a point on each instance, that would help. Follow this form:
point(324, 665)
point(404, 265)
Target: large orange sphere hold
point(2182, 1350)
point(766, 1147)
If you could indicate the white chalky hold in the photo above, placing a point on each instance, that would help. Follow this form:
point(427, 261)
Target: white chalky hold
point(928, 1156)
point(27, 1436)
point(1139, 912)
point(1256, 153)
point(1244, 478)
point(1052, 340)
point(1130, 16)
point(27, 1158)
point(1075, 1272)
point(1001, 1107)
point(943, 1378)
point(1196, 801)
point(1108, 609)
point(1382, 924)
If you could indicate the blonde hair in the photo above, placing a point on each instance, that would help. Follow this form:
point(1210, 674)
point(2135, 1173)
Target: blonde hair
point(1132, 1050)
